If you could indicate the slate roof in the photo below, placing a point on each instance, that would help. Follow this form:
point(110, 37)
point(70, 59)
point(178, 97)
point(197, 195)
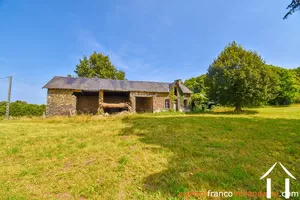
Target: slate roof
point(184, 89)
point(96, 84)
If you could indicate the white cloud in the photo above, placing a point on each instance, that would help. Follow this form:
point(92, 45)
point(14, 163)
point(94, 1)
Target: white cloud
point(128, 56)
point(133, 59)
point(88, 39)
point(117, 60)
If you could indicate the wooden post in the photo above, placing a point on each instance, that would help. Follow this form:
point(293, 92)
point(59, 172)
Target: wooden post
point(132, 102)
point(101, 100)
point(8, 97)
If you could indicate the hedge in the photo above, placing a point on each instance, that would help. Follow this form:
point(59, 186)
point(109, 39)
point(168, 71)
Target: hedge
point(22, 108)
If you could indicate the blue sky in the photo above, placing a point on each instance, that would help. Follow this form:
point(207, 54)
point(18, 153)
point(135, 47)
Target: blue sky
point(149, 39)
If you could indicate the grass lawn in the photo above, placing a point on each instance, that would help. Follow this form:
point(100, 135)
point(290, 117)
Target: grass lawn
point(147, 156)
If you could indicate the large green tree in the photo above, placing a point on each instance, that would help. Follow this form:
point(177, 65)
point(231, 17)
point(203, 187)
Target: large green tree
point(98, 66)
point(240, 78)
point(292, 7)
point(286, 88)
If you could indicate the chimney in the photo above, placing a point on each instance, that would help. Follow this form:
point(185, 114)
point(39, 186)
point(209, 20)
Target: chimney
point(179, 81)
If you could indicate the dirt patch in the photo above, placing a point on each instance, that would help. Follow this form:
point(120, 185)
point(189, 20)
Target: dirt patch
point(67, 196)
point(124, 138)
point(91, 161)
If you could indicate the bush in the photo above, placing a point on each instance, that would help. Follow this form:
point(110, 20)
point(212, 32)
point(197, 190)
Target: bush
point(22, 108)
point(196, 100)
point(196, 109)
point(297, 99)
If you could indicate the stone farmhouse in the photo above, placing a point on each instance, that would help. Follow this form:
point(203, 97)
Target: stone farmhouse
point(68, 95)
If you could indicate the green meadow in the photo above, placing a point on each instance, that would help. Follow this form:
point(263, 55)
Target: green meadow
point(148, 156)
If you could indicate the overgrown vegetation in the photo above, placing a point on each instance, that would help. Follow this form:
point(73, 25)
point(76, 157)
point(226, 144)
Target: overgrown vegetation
point(22, 108)
point(197, 85)
point(148, 156)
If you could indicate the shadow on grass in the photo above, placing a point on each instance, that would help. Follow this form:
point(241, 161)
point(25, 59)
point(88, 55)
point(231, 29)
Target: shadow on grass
point(210, 153)
point(229, 112)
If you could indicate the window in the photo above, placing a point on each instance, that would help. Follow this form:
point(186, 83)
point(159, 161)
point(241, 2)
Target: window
point(167, 103)
point(175, 91)
point(185, 104)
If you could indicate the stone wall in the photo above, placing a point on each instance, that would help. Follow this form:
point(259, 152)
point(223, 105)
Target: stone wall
point(132, 96)
point(63, 102)
point(60, 102)
point(143, 104)
point(158, 99)
point(87, 104)
point(180, 98)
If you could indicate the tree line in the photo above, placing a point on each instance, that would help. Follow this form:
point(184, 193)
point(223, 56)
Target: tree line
point(241, 78)
point(22, 108)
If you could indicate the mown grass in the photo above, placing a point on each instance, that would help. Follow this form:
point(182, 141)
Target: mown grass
point(147, 156)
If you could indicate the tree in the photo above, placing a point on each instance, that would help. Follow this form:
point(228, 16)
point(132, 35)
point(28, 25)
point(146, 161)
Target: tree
point(286, 88)
point(98, 66)
point(297, 74)
point(292, 7)
point(240, 78)
point(196, 84)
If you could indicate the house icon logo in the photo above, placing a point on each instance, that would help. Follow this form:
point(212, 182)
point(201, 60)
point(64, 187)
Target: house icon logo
point(287, 181)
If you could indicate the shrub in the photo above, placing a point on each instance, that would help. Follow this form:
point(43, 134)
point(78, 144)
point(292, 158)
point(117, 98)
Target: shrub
point(22, 108)
point(297, 99)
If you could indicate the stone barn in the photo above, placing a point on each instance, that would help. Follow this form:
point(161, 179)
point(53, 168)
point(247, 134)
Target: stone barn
point(67, 96)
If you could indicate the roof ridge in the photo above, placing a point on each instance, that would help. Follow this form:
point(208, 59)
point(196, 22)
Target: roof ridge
point(77, 83)
point(111, 79)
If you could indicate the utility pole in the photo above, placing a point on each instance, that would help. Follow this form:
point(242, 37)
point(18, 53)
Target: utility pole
point(8, 97)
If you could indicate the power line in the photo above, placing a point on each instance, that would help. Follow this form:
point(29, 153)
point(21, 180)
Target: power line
point(29, 82)
point(4, 77)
